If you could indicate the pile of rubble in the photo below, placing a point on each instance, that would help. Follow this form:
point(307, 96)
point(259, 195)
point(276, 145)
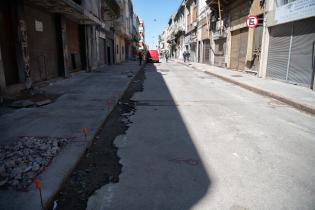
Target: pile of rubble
point(21, 162)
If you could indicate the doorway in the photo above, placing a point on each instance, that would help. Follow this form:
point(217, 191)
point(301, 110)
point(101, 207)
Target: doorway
point(239, 48)
point(7, 43)
point(108, 60)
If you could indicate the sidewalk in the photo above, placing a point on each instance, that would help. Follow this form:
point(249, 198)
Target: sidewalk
point(296, 96)
point(85, 101)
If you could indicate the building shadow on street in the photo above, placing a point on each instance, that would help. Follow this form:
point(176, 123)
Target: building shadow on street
point(162, 168)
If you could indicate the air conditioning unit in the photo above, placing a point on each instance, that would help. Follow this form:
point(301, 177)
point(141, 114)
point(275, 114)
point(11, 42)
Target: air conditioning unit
point(219, 25)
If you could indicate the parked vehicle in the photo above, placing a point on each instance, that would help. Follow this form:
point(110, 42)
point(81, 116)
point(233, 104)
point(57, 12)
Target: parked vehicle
point(153, 56)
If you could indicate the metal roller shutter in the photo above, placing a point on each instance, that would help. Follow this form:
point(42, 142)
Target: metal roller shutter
point(300, 69)
point(290, 52)
point(278, 51)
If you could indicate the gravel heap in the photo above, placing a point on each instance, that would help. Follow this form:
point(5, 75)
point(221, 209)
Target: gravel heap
point(22, 161)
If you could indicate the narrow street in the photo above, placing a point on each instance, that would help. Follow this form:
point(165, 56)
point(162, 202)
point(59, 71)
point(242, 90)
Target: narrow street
point(198, 142)
point(157, 105)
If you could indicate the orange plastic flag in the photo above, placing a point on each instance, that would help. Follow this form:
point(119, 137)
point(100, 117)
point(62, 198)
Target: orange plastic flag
point(38, 184)
point(84, 130)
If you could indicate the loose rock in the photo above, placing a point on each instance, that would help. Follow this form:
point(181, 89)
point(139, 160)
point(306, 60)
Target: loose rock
point(21, 162)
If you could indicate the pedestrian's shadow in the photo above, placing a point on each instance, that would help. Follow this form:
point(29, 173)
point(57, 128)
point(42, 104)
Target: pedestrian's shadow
point(162, 168)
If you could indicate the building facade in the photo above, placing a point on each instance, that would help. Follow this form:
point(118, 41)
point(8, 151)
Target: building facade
point(203, 33)
point(190, 40)
point(49, 39)
point(282, 46)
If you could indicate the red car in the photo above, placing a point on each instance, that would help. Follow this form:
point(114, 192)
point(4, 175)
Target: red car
point(153, 56)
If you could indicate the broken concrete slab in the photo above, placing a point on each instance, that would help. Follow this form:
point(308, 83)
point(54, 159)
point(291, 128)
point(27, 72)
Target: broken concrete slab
point(22, 104)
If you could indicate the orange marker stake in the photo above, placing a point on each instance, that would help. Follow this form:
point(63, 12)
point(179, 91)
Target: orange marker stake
point(84, 131)
point(38, 185)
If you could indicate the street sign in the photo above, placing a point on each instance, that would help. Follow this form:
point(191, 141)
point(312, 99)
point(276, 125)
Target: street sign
point(252, 21)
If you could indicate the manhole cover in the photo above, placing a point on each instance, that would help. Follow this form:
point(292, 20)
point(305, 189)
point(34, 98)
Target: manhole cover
point(236, 75)
point(164, 70)
point(275, 103)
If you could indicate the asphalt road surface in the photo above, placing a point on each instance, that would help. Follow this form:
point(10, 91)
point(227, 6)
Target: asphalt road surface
point(197, 142)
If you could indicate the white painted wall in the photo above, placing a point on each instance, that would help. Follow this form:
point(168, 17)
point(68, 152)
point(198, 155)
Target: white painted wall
point(202, 6)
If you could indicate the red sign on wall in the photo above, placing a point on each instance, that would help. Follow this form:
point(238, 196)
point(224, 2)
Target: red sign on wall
point(252, 21)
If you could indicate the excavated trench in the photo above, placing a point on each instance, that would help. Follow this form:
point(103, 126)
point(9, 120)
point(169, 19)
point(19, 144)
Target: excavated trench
point(100, 163)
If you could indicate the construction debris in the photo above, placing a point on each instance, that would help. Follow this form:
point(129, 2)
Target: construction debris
point(21, 162)
point(43, 102)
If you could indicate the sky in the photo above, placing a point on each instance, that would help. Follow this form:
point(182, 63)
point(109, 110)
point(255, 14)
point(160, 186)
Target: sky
point(151, 10)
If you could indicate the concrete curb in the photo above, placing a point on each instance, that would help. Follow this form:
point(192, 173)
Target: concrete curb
point(300, 106)
point(50, 200)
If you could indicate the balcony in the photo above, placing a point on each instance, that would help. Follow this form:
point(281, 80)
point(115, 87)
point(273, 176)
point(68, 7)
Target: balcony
point(112, 7)
point(68, 8)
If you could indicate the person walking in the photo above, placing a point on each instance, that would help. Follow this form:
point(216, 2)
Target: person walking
point(184, 56)
point(140, 57)
point(166, 57)
point(187, 56)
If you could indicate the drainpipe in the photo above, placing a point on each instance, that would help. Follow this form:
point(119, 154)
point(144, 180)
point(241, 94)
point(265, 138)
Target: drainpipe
point(313, 67)
point(2, 76)
point(2, 79)
point(86, 49)
point(265, 40)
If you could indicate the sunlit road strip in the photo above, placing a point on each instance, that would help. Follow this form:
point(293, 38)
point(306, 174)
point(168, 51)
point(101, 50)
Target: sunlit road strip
point(229, 149)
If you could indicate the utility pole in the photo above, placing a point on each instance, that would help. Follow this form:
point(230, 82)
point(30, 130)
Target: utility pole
point(220, 17)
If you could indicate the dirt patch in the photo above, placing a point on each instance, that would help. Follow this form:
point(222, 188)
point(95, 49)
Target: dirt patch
point(26, 99)
point(275, 103)
point(100, 163)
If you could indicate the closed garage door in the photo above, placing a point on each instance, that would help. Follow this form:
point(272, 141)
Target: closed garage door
point(279, 52)
point(301, 60)
point(42, 40)
point(239, 48)
point(291, 52)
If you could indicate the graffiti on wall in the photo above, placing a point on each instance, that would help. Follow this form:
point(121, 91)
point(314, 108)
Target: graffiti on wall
point(25, 53)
